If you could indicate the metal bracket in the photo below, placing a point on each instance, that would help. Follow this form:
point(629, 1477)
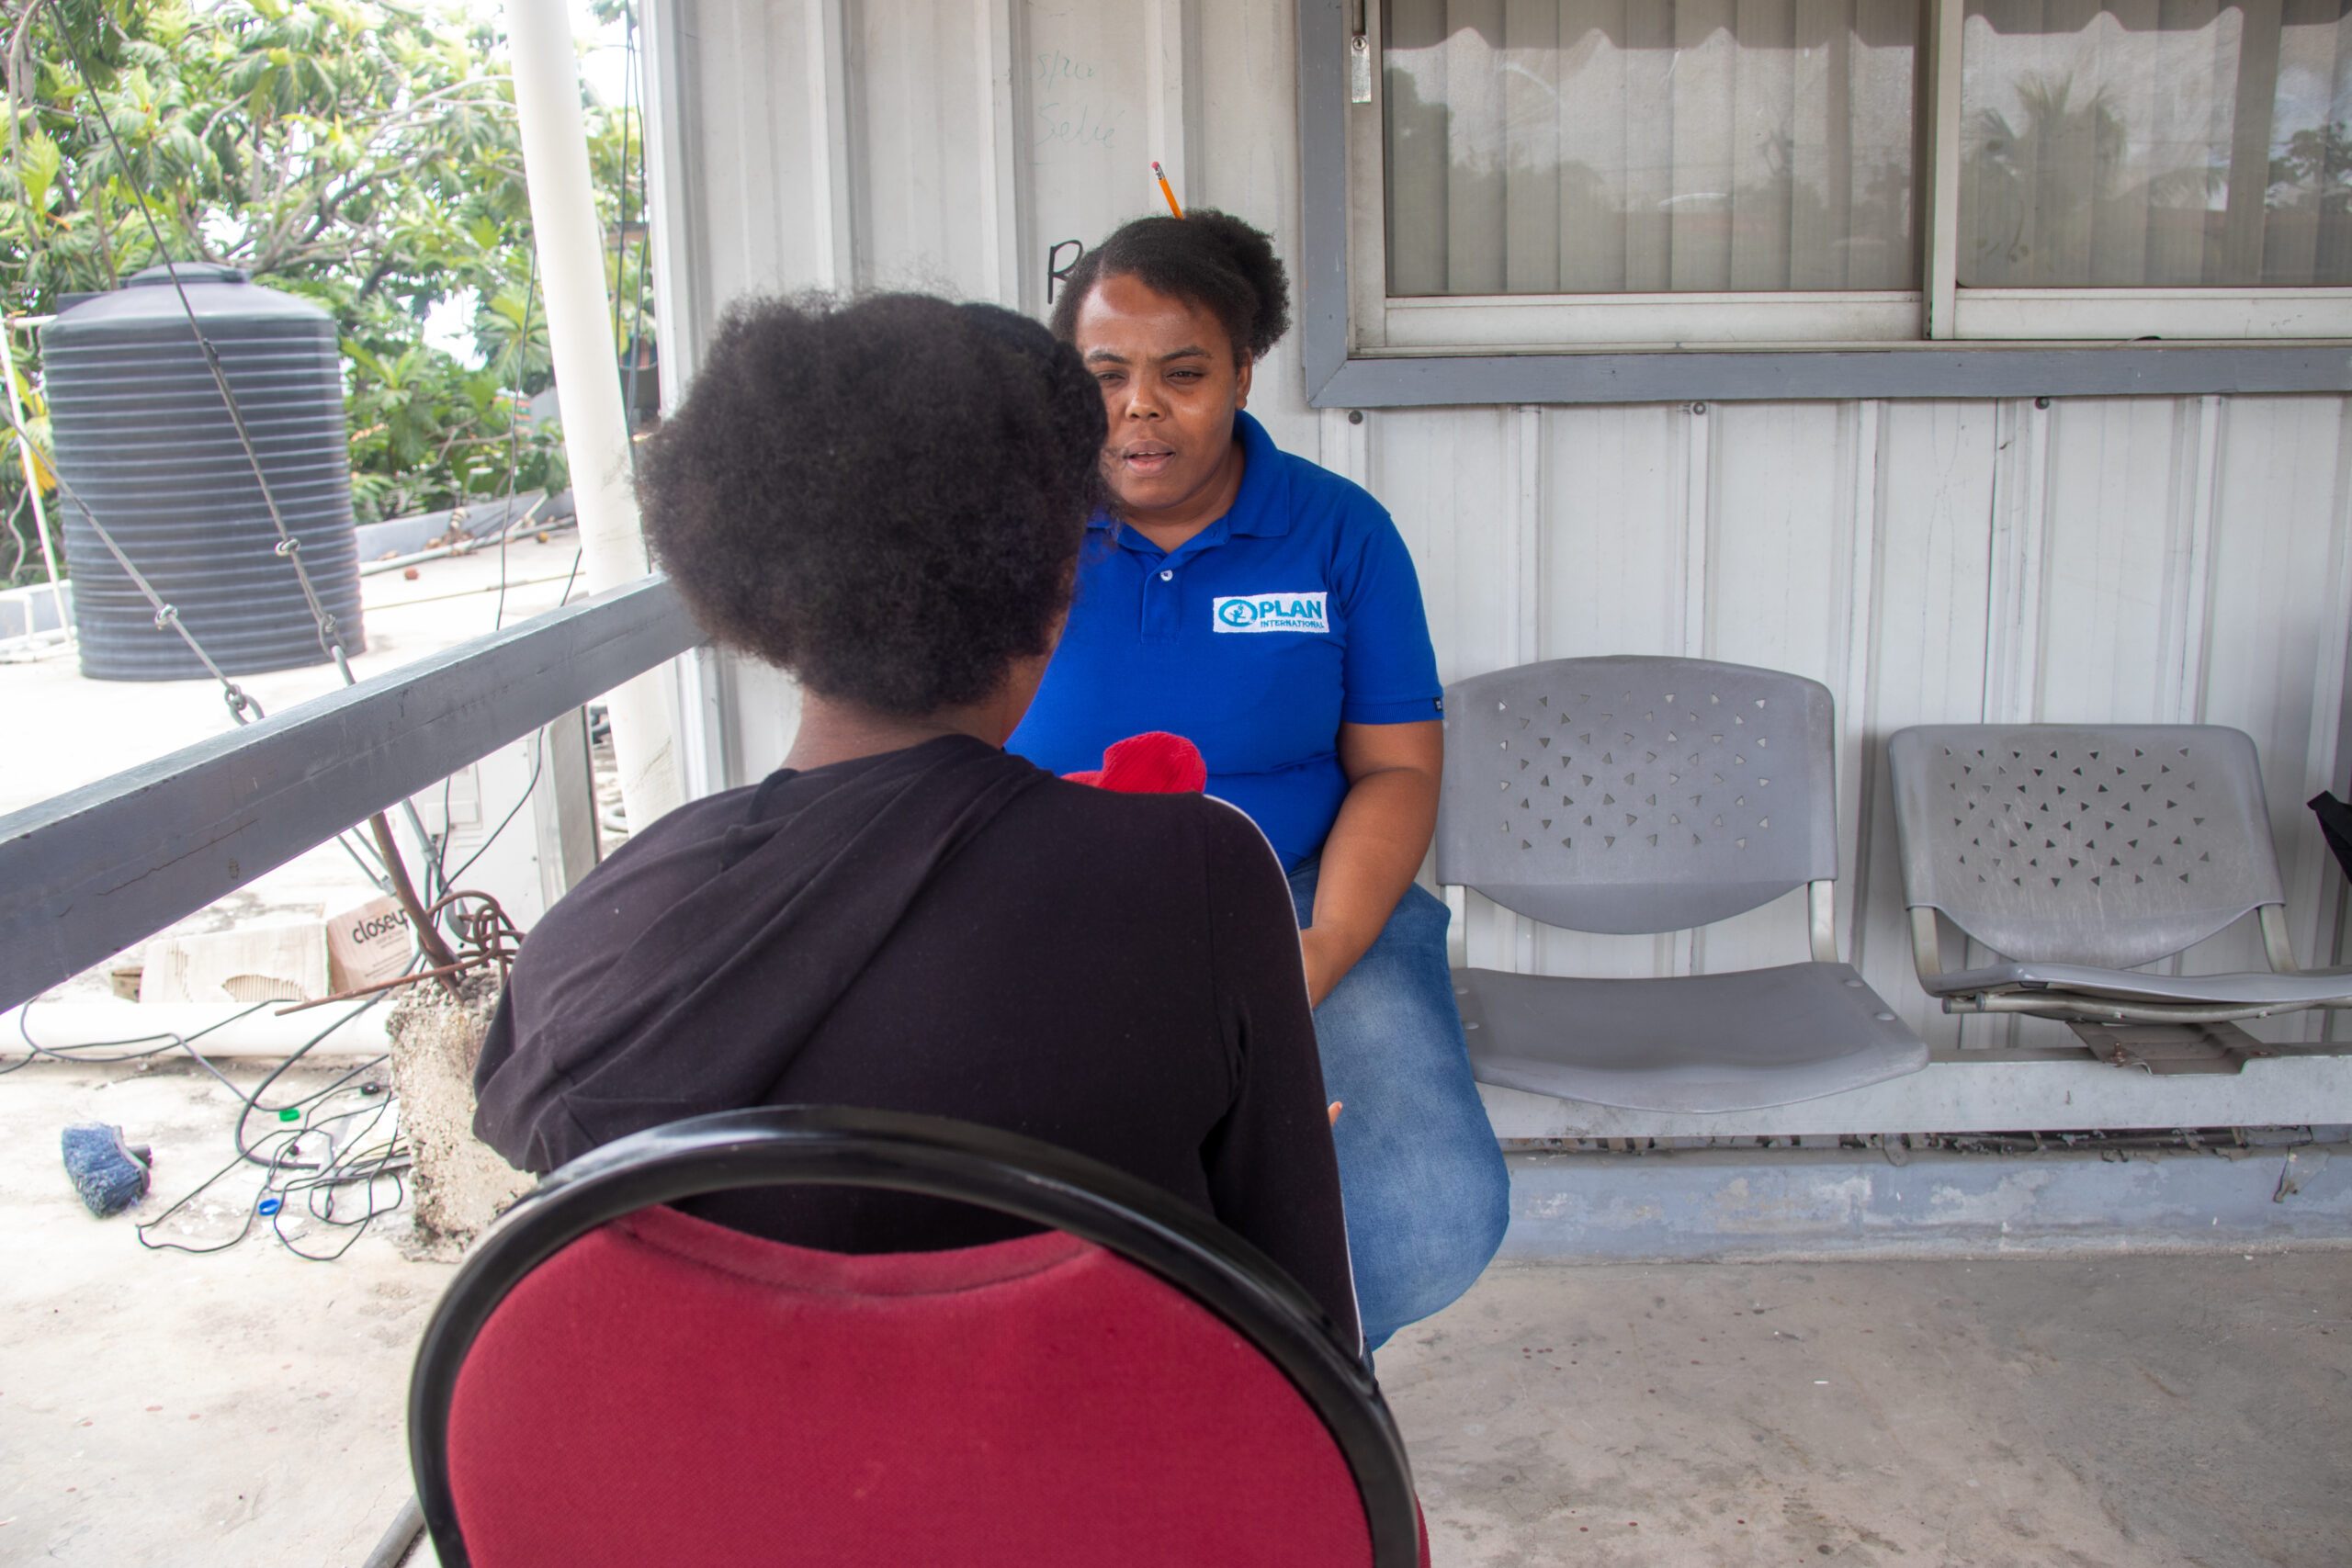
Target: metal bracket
point(2275, 947)
point(1821, 907)
point(2170, 1049)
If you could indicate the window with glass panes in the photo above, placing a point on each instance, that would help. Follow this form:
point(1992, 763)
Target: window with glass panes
point(1809, 171)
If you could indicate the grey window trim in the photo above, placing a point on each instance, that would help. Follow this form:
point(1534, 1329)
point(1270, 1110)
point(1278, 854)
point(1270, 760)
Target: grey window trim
point(87, 874)
point(1336, 379)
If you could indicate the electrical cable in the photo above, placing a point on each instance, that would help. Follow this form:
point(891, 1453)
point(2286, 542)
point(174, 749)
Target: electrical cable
point(287, 1173)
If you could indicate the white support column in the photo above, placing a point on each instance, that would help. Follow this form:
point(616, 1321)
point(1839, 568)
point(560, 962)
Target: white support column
point(1172, 75)
point(580, 337)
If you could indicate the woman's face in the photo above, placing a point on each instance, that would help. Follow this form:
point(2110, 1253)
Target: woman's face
point(1170, 385)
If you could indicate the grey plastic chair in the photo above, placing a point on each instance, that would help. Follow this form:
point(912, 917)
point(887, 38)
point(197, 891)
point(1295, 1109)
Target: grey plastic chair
point(1652, 795)
point(2078, 854)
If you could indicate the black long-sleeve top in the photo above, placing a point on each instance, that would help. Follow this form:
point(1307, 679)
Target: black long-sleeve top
point(946, 929)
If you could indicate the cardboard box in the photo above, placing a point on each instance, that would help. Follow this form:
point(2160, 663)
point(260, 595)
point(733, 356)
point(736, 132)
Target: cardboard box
point(369, 944)
point(280, 963)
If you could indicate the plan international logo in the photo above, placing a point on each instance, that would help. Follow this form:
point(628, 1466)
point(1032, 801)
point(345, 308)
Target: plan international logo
point(1270, 612)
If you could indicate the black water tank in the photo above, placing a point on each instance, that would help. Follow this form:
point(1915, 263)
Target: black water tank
point(143, 436)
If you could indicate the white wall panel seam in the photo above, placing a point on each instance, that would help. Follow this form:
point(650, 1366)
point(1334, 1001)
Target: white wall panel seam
point(2197, 607)
point(1698, 501)
point(2188, 568)
point(1004, 204)
point(1528, 515)
point(829, 126)
point(1699, 510)
point(2013, 605)
point(1855, 720)
point(2013, 608)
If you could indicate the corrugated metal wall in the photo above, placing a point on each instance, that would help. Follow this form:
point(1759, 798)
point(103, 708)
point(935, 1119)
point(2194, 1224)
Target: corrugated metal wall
point(2133, 559)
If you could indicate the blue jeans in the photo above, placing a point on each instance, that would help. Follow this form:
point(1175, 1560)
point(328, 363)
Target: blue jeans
point(1427, 1192)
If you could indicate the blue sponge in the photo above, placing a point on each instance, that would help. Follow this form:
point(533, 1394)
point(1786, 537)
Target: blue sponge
point(110, 1174)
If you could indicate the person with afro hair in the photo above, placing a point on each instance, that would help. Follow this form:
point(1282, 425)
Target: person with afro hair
point(887, 498)
point(1268, 610)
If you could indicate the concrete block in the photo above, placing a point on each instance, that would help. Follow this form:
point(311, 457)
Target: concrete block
point(33, 609)
point(461, 1183)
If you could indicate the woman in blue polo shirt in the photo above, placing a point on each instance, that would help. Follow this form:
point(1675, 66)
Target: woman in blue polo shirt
point(1267, 610)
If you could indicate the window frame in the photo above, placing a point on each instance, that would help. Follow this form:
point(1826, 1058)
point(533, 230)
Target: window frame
point(1365, 348)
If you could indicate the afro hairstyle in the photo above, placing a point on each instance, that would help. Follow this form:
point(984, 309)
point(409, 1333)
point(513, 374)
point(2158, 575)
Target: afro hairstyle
point(884, 495)
point(1208, 258)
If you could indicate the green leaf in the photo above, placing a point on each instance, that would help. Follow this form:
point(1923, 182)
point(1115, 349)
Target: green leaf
point(37, 165)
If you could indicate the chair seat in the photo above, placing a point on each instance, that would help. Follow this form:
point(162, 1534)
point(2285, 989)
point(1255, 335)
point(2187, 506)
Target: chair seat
point(2310, 989)
point(1702, 1042)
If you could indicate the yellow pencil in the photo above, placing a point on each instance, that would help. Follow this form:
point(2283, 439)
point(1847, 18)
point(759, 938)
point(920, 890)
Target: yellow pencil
point(1162, 175)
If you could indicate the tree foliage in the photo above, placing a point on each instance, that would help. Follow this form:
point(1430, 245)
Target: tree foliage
point(362, 153)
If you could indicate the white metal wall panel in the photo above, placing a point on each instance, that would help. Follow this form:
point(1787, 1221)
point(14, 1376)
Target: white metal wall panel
point(1927, 657)
point(2133, 558)
point(2279, 600)
point(1616, 563)
point(920, 120)
point(1780, 551)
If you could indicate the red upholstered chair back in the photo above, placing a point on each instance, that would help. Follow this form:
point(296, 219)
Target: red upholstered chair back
point(664, 1390)
point(642, 1387)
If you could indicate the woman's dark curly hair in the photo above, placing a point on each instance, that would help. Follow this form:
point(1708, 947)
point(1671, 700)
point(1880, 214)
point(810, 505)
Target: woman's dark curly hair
point(1208, 258)
point(885, 495)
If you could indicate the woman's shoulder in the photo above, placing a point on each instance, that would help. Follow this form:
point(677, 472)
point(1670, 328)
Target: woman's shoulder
point(1314, 487)
point(1086, 808)
point(1346, 521)
point(1317, 491)
point(1141, 832)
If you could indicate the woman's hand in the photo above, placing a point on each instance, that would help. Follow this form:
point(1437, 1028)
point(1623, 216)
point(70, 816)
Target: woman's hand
point(1376, 845)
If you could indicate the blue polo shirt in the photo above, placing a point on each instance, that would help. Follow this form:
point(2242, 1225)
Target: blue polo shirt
point(1295, 613)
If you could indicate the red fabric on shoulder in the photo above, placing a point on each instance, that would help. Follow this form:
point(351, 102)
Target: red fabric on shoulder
point(1154, 763)
point(667, 1391)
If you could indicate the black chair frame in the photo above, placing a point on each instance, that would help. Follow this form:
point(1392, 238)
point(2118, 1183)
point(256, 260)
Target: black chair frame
point(827, 1145)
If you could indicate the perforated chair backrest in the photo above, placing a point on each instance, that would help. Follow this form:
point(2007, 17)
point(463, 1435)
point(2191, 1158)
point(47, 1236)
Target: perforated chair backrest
point(607, 1383)
point(2113, 846)
point(1631, 794)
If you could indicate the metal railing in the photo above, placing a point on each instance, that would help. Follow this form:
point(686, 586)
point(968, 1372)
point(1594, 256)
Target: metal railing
point(88, 872)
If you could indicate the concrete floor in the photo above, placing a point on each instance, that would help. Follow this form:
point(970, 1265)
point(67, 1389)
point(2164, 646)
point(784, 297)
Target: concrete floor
point(241, 1410)
point(244, 1410)
point(2109, 1412)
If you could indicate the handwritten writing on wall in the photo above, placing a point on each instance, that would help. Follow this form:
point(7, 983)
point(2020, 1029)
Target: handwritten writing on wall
point(1069, 109)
